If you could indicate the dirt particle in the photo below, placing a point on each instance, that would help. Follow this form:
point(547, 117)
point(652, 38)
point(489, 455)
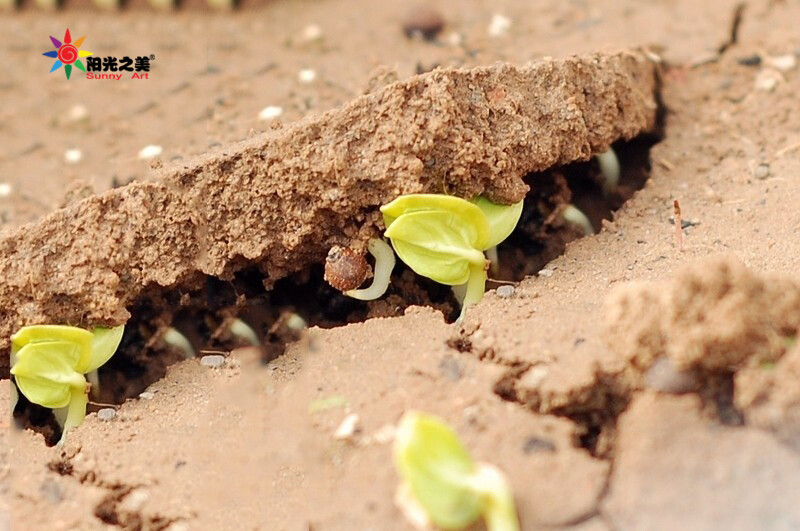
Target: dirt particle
point(538, 444)
point(423, 21)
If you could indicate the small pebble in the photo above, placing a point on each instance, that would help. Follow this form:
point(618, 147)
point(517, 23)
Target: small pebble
point(761, 171)
point(311, 33)
point(78, 113)
point(268, 113)
point(538, 444)
point(784, 63)
point(148, 152)
point(147, 395)
point(451, 368)
point(750, 60)
point(767, 80)
point(5, 189)
point(423, 21)
point(505, 292)
point(73, 156)
point(107, 413)
point(347, 428)
point(214, 361)
point(546, 272)
point(307, 75)
point(499, 25)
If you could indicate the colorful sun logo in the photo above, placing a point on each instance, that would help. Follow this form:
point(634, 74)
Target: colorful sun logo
point(67, 54)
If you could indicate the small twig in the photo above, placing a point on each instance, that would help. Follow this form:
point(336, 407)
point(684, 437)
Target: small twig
point(678, 225)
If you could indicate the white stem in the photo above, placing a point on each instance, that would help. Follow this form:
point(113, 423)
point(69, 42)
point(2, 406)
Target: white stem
point(242, 330)
point(384, 264)
point(609, 167)
point(460, 291)
point(14, 397)
point(174, 338)
point(296, 323)
point(571, 214)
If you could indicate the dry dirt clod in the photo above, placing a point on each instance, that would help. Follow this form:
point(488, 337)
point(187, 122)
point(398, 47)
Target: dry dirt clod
point(345, 269)
point(423, 21)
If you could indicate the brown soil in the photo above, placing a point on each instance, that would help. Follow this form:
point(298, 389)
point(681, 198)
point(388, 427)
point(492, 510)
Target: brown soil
point(629, 385)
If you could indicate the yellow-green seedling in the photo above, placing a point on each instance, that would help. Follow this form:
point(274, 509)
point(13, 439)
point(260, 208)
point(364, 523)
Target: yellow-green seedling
point(49, 363)
point(609, 167)
point(442, 479)
point(444, 237)
point(573, 215)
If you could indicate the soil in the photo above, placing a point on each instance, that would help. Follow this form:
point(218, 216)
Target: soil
point(633, 382)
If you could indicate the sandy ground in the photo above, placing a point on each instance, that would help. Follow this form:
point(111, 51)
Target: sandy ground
point(546, 369)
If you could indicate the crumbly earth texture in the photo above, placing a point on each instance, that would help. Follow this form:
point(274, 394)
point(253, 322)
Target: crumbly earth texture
point(284, 198)
point(545, 383)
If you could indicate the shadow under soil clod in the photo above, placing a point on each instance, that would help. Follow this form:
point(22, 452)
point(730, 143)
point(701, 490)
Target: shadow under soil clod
point(204, 316)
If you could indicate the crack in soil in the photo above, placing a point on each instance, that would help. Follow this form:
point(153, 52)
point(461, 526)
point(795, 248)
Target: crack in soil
point(110, 510)
point(736, 22)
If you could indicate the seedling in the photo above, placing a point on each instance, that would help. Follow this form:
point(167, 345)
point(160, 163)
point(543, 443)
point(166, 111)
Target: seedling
point(573, 215)
point(179, 341)
point(49, 363)
point(384, 263)
point(441, 478)
point(444, 238)
point(243, 331)
point(609, 167)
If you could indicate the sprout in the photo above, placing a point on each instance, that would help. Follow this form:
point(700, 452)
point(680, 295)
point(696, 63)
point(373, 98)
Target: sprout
point(571, 214)
point(243, 331)
point(175, 339)
point(609, 167)
point(384, 263)
point(49, 363)
point(443, 237)
point(440, 477)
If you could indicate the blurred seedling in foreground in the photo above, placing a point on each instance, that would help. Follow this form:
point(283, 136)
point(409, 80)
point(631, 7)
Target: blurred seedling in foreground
point(442, 485)
point(49, 364)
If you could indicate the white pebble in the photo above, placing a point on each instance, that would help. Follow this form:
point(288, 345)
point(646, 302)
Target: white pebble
point(546, 272)
point(73, 156)
point(78, 113)
point(347, 428)
point(311, 33)
point(768, 79)
point(784, 63)
point(307, 75)
point(505, 291)
point(499, 25)
point(148, 152)
point(268, 113)
point(107, 413)
point(147, 395)
point(5, 189)
point(214, 361)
